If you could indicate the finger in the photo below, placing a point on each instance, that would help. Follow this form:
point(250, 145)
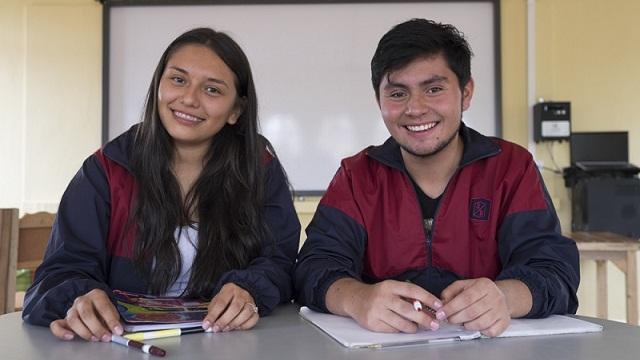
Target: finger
point(461, 301)
point(77, 325)
point(232, 311)
point(423, 319)
point(61, 330)
point(109, 315)
point(453, 290)
point(497, 328)
point(90, 317)
point(474, 311)
point(245, 314)
point(376, 323)
point(251, 322)
point(398, 323)
point(415, 292)
point(217, 307)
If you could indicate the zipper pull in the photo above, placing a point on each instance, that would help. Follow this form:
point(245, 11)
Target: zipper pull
point(428, 225)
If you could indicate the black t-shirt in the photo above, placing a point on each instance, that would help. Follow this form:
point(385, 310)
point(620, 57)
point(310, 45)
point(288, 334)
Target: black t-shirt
point(427, 206)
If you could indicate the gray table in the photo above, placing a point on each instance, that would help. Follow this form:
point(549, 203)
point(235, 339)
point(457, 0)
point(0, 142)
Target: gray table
point(284, 335)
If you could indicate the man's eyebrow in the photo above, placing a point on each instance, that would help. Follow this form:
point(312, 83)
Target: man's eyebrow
point(435, 79)
point(432, 80)
point(181, 70)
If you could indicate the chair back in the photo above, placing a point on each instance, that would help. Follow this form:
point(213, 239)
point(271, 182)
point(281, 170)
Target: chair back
point(22, 245)
point(34, 233)
point(9, 224)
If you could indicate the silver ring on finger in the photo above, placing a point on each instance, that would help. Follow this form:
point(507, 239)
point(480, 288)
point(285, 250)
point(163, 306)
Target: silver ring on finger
point(253, 307)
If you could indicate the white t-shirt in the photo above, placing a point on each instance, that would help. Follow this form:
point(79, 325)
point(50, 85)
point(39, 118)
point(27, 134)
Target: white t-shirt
point(187, 239)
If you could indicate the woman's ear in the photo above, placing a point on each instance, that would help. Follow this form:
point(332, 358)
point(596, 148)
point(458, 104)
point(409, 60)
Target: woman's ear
point(238, 108)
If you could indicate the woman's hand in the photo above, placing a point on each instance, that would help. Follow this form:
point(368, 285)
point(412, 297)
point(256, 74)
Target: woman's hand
point(232, 308)
point(92, 317)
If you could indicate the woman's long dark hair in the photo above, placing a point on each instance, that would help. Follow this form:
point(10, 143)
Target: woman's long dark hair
point(227, 197)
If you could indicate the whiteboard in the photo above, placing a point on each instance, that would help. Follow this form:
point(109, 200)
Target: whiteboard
point(311, 67)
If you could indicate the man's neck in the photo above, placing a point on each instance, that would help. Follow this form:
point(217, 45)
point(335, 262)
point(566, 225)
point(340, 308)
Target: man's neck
point(432, 173)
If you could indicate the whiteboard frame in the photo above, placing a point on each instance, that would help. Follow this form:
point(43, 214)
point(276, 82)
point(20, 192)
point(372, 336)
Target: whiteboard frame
point(106, 25)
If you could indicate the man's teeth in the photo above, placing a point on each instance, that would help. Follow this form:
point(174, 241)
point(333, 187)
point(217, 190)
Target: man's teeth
point(422, 127)
point(186, 116)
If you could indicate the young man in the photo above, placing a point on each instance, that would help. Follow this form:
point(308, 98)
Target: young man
point(439, 213)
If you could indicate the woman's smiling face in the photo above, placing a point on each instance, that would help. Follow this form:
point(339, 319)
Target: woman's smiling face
point(197, 96)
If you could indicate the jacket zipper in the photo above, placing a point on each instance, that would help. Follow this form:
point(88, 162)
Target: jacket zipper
point(428, 226)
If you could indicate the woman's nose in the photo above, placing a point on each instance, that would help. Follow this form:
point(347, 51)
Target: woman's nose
point(190, 96)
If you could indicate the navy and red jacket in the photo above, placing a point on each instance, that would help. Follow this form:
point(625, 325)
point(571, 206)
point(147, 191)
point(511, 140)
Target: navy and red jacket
point(87, 251)
point(495, 220)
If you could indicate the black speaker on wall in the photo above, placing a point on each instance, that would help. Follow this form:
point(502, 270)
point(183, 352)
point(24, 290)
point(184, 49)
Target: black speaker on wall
point(607, 204)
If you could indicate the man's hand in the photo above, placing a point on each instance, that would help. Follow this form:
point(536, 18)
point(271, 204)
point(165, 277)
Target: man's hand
point(383, 307)
point(92, 317)
point(484, 305)
point(232, 308)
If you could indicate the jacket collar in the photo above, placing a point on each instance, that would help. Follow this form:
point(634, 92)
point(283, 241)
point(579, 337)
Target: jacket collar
point(476, 147)
point(119, 149)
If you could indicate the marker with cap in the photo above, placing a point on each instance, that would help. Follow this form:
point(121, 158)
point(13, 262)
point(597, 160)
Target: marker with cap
point(148, 335)
point(146, 348)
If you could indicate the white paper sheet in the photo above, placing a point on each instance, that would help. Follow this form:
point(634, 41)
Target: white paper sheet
point(348, 333)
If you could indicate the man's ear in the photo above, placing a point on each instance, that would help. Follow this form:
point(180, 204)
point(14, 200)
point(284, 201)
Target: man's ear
point(467, 94)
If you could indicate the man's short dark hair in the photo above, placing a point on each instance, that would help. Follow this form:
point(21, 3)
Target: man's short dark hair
point(417, 38)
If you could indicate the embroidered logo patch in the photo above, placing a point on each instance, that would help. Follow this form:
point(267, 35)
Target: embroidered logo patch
point(480, 209)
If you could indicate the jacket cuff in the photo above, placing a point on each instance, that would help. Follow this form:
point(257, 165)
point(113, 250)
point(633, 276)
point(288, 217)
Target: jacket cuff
point(536, 285)
point(44, 306)
point(265, 297)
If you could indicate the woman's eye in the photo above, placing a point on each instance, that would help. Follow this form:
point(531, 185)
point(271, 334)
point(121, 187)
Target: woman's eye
point(212, 90)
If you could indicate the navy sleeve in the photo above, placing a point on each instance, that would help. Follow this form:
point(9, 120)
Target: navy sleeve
point(75, 261)
point(334, 248)
point(268, 277)
point(533, 251)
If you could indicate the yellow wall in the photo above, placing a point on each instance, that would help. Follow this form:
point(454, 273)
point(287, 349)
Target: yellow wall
point(587, 53)
point(50, 91)
point(50, 84)
point(514, 70)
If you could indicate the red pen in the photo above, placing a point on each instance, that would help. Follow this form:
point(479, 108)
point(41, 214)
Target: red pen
point(149, 349)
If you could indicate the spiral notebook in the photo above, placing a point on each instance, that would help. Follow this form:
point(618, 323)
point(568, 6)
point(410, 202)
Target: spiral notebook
point(348, 333)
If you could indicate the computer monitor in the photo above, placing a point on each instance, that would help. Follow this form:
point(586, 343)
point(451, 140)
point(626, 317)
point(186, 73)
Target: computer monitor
point(599, 146)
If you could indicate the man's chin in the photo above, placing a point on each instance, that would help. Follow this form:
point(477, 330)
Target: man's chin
point(420, 152)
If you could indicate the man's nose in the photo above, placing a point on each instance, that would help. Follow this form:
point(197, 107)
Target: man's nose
point(416, 105)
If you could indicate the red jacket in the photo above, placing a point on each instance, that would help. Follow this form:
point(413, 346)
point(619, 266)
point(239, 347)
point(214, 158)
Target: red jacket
point(494, 220)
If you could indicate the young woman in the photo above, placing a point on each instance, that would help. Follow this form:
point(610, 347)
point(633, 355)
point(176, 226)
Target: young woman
point(192, 202)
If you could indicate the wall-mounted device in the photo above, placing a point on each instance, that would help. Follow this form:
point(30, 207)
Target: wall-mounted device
point(551, 121)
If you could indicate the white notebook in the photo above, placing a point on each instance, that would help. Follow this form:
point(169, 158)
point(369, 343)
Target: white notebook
point(348, 333)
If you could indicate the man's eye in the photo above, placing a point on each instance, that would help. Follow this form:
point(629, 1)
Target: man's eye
point(397, 94)
point(434, 90)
